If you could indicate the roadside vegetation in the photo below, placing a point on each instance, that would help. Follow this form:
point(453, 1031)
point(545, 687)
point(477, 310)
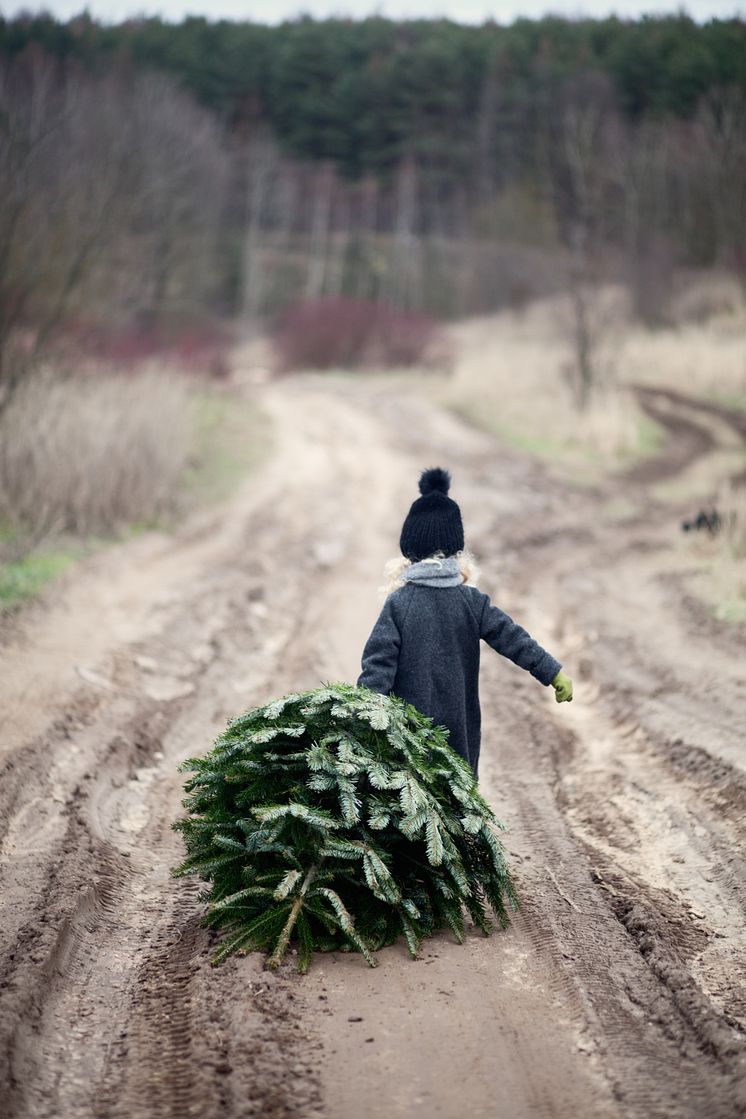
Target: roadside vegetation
point(23, 578)
point(87, 460)
point(514, 377)
point(515, 374)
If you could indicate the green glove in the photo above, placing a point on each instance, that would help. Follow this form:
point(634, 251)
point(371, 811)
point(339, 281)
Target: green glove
point(562, 685)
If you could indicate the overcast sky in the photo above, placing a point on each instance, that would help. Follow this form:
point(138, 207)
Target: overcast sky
point(464, 11)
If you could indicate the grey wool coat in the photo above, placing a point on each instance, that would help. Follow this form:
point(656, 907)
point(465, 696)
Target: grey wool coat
point(425, 649)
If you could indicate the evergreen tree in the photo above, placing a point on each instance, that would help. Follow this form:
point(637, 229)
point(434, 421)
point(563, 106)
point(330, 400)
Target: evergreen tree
point(339, 819)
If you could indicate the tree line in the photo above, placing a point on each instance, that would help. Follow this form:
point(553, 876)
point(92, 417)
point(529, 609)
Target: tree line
point(363, 94)
point(154, 169)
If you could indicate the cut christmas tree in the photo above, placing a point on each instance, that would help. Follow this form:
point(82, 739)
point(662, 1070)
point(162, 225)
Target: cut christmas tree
point(340, 819)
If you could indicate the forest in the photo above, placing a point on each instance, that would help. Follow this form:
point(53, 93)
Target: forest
point(218, 169)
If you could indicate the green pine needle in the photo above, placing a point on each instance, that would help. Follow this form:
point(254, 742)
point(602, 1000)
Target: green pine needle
point(339, 819)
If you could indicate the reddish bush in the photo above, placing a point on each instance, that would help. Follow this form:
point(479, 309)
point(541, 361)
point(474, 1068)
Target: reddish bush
point(406, 338)
point(342, 333)
point(196, 347)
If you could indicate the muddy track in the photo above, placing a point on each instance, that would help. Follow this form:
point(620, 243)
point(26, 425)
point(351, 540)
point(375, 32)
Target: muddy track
point(619, 988)
point(693, 428)
point(733, 417)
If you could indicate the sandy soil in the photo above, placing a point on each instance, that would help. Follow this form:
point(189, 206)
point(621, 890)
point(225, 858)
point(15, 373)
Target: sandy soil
point(620, 989)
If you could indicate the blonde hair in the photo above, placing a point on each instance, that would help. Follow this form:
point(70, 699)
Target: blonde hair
point(395, 568)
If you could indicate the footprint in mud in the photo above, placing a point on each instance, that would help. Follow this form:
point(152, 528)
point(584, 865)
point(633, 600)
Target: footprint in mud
point(328, 553)
point(174, 682)
point(95, 678)
point(165, 688)
point(135, 811)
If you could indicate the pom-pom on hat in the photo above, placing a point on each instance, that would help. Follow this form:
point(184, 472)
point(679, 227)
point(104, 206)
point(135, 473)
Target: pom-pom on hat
point(433, 524)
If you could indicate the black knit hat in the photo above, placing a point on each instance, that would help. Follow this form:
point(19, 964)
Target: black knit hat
point(433, 524)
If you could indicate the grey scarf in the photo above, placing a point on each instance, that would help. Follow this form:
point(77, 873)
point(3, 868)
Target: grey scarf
point(434, 573)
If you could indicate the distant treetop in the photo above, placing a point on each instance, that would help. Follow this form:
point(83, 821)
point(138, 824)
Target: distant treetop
point(360, 93)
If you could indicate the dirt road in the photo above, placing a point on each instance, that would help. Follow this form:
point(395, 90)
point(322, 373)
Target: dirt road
point(619, 989)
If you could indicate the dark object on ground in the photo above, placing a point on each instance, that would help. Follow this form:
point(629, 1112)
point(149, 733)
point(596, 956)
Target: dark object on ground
point(341, 818)
point(705, 521)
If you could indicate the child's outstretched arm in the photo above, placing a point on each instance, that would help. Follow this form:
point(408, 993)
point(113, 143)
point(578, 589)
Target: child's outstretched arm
point(381, 653)
point(511, 640)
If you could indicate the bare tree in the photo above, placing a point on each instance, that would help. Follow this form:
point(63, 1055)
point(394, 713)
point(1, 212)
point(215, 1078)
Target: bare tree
point(365, 278)
point(721, 126)
point(578, 123)
point(485, 139)
point(405, 282)
point(263, 160)
point(642, 158)
point(178, 178)
point(339, 236)
point(31, 117)
point(63, 166)
point(100, 179)
point(321, 211)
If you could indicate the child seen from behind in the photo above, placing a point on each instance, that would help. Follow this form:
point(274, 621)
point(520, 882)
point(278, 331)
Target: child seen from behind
point(425, 644)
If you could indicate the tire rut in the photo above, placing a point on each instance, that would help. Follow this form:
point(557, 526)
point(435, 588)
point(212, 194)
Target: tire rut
point(690, 425)
point(641, 1004)
point(109, 1002)
point(611, 1004)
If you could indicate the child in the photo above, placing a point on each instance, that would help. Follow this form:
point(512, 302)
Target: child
point(424, 647)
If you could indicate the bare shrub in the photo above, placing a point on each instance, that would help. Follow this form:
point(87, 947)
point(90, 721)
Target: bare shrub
point(591, 324)
point(512, 374)
point(89, 454)
point(651, 271)
point(705, 298)
point(701, 353)
point(402, 339)
point(112, 189)
point(338, 333)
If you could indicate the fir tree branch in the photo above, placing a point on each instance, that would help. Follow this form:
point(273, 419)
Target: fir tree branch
point(283, 940)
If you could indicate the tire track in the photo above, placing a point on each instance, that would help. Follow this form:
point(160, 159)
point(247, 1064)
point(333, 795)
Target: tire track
point(118, 982)
point(590, 1005)
point(642, 1004)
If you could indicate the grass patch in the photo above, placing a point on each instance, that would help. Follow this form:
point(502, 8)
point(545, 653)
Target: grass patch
point(721, 585)
point(735, 401)
point(24, 578)
point(582, 457)
point(475, 413)
point(619, 509)
point(232, 436)
point(650, 437)
point(732, 610)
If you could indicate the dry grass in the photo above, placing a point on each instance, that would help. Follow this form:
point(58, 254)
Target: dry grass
point(731, 505)
point(720, 575)
point(90, 454)
point(512, 372)
point(703, 353)
point(729, 568)
point(87, 457)
point(512, 376)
